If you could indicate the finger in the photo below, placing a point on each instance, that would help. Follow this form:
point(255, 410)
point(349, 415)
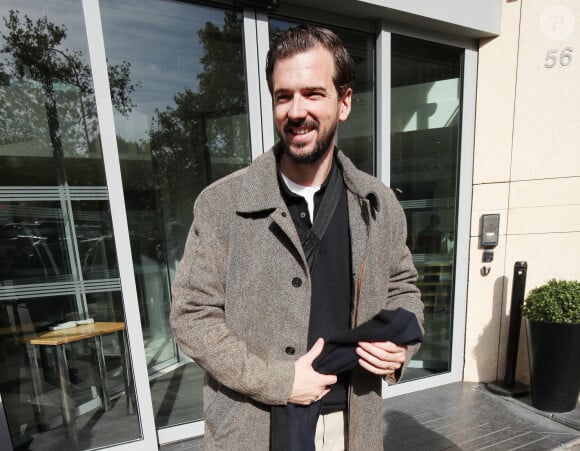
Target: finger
point(382, 361)
point(315, 350)
point(323, 394)
point(393, 347)
point(327, 380)
point(312, 397)
point(376, 370)
point(384, 351)
point(387, 346)
point(371, 359)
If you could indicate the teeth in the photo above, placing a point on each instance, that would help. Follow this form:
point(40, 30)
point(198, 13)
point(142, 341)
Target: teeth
point(302, 128)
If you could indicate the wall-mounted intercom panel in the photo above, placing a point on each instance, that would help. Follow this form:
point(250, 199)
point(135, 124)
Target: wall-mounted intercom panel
point(489, 230)
point(489, 238)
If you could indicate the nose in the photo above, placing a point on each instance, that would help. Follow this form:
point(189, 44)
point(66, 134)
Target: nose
point(297, 108)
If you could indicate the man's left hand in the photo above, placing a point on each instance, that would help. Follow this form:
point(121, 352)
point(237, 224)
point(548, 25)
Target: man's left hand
point(382, 358)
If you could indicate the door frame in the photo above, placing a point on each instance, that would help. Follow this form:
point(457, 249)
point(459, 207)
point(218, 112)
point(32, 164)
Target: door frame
point(98, 61)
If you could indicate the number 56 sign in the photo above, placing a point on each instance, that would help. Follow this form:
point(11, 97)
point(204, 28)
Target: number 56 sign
point(553, 58)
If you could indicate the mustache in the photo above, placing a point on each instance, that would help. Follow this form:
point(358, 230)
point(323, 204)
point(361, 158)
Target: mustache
point(308, 123)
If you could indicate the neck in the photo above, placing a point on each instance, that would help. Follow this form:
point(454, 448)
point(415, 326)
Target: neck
point(308, 174)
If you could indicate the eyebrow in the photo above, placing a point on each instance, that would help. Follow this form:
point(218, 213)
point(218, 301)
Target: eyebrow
point(307, 88)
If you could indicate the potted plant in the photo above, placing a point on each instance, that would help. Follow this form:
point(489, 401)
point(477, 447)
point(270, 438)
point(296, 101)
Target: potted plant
point(552, 313)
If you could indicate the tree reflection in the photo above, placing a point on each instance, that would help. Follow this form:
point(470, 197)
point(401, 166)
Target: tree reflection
point(204, 135)
point(37, 73)
point(47, 109)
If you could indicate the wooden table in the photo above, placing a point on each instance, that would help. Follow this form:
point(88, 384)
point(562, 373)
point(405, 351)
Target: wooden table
point(58, 339)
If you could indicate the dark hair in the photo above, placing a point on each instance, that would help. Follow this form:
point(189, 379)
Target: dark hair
point(300, 39)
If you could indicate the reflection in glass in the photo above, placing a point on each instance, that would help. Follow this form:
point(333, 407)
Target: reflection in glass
point(34, 246)
point(57, 382)
point(62, 388)
point(94, 235)
point(66, 389)
point(49, 129)
point(426, 107)
point(356, 136)
point(189, 128)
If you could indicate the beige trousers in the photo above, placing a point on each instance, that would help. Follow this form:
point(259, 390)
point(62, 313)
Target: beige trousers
point(331, 432)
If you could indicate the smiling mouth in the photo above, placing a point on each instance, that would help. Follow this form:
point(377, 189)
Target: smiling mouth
point(302, 128)
point(300, 131)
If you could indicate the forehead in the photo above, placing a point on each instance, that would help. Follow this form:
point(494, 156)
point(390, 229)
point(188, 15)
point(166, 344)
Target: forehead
point(313, 67)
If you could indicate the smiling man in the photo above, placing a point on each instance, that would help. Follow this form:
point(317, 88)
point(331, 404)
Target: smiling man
point(295, 249)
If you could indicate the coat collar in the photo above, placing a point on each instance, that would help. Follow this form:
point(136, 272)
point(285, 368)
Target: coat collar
point(260, 190)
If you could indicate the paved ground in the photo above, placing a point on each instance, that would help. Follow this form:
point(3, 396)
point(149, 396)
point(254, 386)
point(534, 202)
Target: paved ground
point(465, 416)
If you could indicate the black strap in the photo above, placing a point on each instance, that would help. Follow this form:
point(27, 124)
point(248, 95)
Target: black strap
point(312, 240)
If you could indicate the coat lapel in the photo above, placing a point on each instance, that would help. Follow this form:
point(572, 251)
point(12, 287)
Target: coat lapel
point(260, 195)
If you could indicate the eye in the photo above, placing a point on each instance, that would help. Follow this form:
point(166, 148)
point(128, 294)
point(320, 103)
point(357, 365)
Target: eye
point(282, 98)
point(315, 95)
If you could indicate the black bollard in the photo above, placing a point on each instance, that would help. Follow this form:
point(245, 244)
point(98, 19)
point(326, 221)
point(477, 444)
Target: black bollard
point(518, 292)
point(508, 387)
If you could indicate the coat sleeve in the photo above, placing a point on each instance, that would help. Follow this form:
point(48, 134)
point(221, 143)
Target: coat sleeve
point(199, 322)
point(403, 291)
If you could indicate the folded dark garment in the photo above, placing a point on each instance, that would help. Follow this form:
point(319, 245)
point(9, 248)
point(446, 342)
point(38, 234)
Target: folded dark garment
point(293, 426)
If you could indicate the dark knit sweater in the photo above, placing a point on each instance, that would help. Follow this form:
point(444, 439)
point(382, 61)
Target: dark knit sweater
point(331, 279)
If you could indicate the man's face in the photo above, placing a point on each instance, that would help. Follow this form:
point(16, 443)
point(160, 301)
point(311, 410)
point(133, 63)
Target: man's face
point(307, 109)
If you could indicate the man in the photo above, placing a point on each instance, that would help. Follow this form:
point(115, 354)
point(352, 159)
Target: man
point(257, 291)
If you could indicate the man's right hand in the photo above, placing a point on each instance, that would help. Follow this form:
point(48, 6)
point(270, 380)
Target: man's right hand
point(310, 386)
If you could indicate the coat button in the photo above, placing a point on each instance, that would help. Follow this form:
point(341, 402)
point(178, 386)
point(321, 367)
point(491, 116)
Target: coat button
point(290, 350)
point(296, 282)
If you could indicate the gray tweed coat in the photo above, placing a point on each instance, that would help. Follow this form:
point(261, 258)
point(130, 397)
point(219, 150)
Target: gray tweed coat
point(241, 299)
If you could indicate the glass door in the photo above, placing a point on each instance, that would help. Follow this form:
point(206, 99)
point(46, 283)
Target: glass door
point(426, 91)
point(187, 127)
point(66, 376)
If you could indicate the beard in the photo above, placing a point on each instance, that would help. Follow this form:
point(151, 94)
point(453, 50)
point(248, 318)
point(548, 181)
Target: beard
point(321, 146)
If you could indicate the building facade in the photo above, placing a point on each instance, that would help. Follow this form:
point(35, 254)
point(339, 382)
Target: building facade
point(526, 169)
point(114, 115)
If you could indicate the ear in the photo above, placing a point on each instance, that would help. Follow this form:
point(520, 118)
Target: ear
point(344, 105)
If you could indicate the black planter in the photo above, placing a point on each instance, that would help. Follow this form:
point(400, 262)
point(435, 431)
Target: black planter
point(554, 353)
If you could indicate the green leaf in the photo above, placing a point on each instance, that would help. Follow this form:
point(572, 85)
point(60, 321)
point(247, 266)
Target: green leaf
point(557, 301)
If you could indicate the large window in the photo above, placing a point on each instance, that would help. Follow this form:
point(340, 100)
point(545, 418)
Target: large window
point(61, 387)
